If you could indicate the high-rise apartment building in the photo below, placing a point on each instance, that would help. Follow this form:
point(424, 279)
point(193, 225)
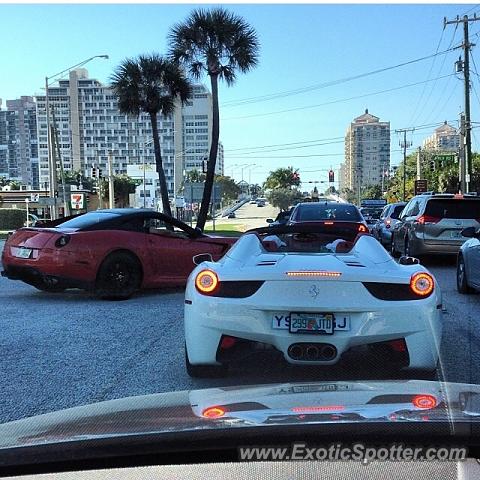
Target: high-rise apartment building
point(89, 125)
point(367, 152)
point(18, 142)
point(444, 139)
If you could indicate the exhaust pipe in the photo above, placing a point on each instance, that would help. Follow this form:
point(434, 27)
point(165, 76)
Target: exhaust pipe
point(312, 352)
point(295, 351)
point(328, 352)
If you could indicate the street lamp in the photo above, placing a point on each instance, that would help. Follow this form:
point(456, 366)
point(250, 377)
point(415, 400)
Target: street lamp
point(52, 167)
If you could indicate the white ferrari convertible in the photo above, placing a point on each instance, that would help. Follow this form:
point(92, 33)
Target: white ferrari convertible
point(312, 291)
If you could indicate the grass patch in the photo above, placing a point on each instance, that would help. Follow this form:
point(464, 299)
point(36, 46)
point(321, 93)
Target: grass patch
point(226, 229)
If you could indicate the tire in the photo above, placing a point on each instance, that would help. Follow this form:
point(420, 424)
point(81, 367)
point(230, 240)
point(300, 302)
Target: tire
point(393, 251)
point(204, 371)
point(119, 277)
point(43, 287)
point(462, 283)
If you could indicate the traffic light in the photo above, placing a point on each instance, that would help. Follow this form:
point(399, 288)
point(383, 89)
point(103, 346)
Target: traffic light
point(100, 175)
point(331, 176)
point(432, 165)
point(94, 172)
point(296, 178)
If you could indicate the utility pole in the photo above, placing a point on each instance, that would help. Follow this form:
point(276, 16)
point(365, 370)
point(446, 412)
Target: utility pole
point(466, 75)
point(111, 193)
point(404, 144)
point(359, 185)
point(66, 209)
point(52, 167)
point(419, 163)
point(462, 171)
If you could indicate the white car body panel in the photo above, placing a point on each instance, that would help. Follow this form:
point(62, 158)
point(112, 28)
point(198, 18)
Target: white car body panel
point(372, 320)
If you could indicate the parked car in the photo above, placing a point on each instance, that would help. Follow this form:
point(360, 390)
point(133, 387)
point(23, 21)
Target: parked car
point(330, 213)
point(281, 219)
point(433, 224)
point(112, 253)
point(468, 262)
point(231, 215)
point(382, 230)
point(298, 289)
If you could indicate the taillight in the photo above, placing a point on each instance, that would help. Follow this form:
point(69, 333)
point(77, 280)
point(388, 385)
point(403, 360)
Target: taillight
point(206, 281)
point(62, 241)
point(388, 223)
point(424, 401)
point(362, 228)
point(422, 220)
point(422, 284)
point(213, 412)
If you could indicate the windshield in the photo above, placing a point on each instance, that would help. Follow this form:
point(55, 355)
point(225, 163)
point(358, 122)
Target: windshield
point(454, 208)
point(316, 212)
point(190, 201)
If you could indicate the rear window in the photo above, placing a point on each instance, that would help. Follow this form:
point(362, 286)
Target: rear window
point(310, 242)
point(317, 212)
point(453, 208)
point(397, 211)
point(87, 220)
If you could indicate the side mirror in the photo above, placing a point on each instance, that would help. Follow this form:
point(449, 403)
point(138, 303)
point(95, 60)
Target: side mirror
point(202, 257)
point(404, 260)
point(469, 232)
point(269, 220)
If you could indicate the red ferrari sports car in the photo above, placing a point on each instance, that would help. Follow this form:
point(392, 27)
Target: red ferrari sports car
point(112, 253)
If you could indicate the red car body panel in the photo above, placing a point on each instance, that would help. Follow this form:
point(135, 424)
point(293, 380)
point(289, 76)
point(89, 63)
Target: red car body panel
point(166, 260)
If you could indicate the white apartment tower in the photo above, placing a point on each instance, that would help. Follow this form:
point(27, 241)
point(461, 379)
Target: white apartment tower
point(89, 126)
point(444, 139)
point(367, 152)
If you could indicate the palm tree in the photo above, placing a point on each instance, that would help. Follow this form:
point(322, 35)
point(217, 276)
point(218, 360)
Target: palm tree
point(218, 43)
point(151, 84)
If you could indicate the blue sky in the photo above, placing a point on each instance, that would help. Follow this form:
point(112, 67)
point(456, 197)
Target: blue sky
point(301, 46)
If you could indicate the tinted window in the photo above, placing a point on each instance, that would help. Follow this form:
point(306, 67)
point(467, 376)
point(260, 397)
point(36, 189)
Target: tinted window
point(87, 220)
point(397, 211)
point(315, 211)
point(453, 208)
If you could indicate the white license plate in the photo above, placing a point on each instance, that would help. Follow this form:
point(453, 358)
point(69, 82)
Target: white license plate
point(23, 252)
point(282, 321)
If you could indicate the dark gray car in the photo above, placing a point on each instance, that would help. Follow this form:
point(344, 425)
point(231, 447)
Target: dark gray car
point(433, 224)
point(468, 262)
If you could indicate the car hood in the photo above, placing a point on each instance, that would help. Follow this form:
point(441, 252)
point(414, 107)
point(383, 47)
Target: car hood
point(275, 404)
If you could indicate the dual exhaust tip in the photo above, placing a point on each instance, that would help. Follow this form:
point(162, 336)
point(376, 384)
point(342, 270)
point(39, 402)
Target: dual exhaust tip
point(312, 352)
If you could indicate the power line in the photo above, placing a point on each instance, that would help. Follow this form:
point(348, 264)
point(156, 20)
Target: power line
point(273, 96)
point(335, 101)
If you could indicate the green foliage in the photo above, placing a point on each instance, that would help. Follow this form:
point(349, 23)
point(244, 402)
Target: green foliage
point(372, 192)
point(123, 186)
point(73, 177)
point(12, 218)
point(348, 195)
point(282, 178)
point(230, 190)
point(284, 198)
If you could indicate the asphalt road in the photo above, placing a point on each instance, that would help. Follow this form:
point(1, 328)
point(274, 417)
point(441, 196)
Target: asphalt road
point(64, 350)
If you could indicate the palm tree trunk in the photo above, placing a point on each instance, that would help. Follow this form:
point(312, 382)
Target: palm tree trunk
point(212, 158)
point(159, 166)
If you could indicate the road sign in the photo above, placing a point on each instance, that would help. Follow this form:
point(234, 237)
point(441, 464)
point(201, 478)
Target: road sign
point(77, 200)
point(421, 186)
point(193, 192)
point(34, 197)
point(445, 157)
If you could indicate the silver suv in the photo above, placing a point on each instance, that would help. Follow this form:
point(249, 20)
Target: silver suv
point(432, 224)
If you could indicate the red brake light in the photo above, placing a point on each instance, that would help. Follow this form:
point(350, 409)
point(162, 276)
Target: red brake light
point(362, 228)
point(427, 219)
point(422, 284)
point(424, 401)
point(206, 281)
point(328, 223)
point(213, 412)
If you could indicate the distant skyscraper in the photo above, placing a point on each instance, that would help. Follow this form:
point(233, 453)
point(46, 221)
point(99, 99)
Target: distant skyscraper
point(367, 152)
point(445, 139)
point(18, 142)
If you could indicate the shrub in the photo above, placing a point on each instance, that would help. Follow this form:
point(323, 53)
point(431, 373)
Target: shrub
point(12, 218)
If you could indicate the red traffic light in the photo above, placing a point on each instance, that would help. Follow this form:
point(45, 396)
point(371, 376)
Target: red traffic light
point(331, 176)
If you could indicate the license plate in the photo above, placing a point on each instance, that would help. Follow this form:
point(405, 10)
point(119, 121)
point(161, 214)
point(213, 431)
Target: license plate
point(324, 387)
point(321, 324)
point(23, 252)
point(282, 321)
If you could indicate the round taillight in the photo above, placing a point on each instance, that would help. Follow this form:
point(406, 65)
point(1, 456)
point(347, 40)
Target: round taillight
point(422, 284)
point(206, 281)
point(424, 401)
point(362, 228)
point(213, 412)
